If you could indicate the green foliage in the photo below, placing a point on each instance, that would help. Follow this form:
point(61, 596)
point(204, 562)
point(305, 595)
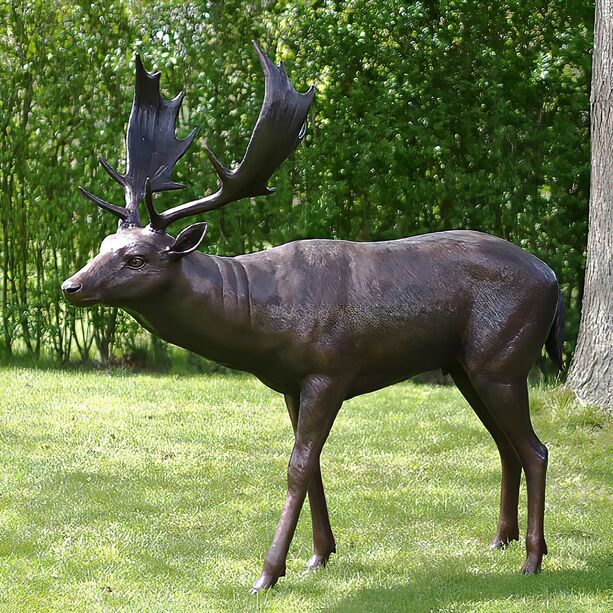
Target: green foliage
point(428, 116)
point(157, 493)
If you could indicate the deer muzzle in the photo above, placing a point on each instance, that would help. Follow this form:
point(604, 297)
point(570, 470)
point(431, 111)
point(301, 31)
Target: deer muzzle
point(70, 287)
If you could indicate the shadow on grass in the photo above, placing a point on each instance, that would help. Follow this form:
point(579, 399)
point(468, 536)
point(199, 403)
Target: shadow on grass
point(452, 589)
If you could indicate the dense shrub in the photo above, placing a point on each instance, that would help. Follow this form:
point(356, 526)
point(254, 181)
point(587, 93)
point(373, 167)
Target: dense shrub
point(429, 115)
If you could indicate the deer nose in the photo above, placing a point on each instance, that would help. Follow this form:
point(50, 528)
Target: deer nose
point(70, 287)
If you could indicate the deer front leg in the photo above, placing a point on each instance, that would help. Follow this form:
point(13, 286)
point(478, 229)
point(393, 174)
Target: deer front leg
point(320, 400)
point(324, 544)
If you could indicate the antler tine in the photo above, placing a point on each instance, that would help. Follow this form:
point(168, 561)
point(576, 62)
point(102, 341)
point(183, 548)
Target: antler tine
point(278, 131)
point(154, 218)
point(119, 211)
point(112, 172)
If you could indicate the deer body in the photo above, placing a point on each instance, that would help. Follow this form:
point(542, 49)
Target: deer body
point(377, 313)
point(321, 321)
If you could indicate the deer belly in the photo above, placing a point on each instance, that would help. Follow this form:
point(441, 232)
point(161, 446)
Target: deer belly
point(378, 371)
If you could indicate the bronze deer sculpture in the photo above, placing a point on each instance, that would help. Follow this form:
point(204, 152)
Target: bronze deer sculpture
point(321, 321)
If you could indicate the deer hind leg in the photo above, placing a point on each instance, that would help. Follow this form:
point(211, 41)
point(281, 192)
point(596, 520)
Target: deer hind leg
point(324, 544)
point(320, 400)
point(511, 466)
point(506, 399)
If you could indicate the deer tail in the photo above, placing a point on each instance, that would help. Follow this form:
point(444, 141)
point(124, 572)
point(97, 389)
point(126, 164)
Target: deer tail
point(555, 340)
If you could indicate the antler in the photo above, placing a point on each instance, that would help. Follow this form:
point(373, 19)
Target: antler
point(152, 147)
point(280, 128)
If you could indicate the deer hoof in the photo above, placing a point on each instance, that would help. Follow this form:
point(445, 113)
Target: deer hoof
point(315, 563)
point(532, 565)
point(503, 539)
point(264, 582)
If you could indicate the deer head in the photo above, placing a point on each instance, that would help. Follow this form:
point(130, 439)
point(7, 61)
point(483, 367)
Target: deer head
point(137, 262)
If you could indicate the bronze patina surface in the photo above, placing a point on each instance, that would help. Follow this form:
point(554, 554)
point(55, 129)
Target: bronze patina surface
point(321, 321)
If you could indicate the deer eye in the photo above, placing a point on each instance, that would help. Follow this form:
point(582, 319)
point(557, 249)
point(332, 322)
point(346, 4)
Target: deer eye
point(136, 262)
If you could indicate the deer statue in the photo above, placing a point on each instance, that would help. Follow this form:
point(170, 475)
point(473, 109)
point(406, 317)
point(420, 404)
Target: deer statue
point(320, 321)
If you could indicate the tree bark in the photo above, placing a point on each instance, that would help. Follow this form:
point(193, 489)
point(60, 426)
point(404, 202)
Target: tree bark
point(591, 373)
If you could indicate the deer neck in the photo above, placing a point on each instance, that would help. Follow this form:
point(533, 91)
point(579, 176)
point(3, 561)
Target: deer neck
point(206, 309)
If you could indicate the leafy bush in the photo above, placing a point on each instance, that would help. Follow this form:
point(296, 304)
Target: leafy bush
point(428, 116)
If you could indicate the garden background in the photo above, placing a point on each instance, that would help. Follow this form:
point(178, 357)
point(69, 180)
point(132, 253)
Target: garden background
point(145, 491)
point(428, 116)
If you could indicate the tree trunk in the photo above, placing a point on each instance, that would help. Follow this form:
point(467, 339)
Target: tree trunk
point(591, 373)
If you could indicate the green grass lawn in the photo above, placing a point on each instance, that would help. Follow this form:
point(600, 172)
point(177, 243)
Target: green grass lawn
point(160, 493)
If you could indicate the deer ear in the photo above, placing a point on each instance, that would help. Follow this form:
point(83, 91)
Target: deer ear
point(188, 240)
